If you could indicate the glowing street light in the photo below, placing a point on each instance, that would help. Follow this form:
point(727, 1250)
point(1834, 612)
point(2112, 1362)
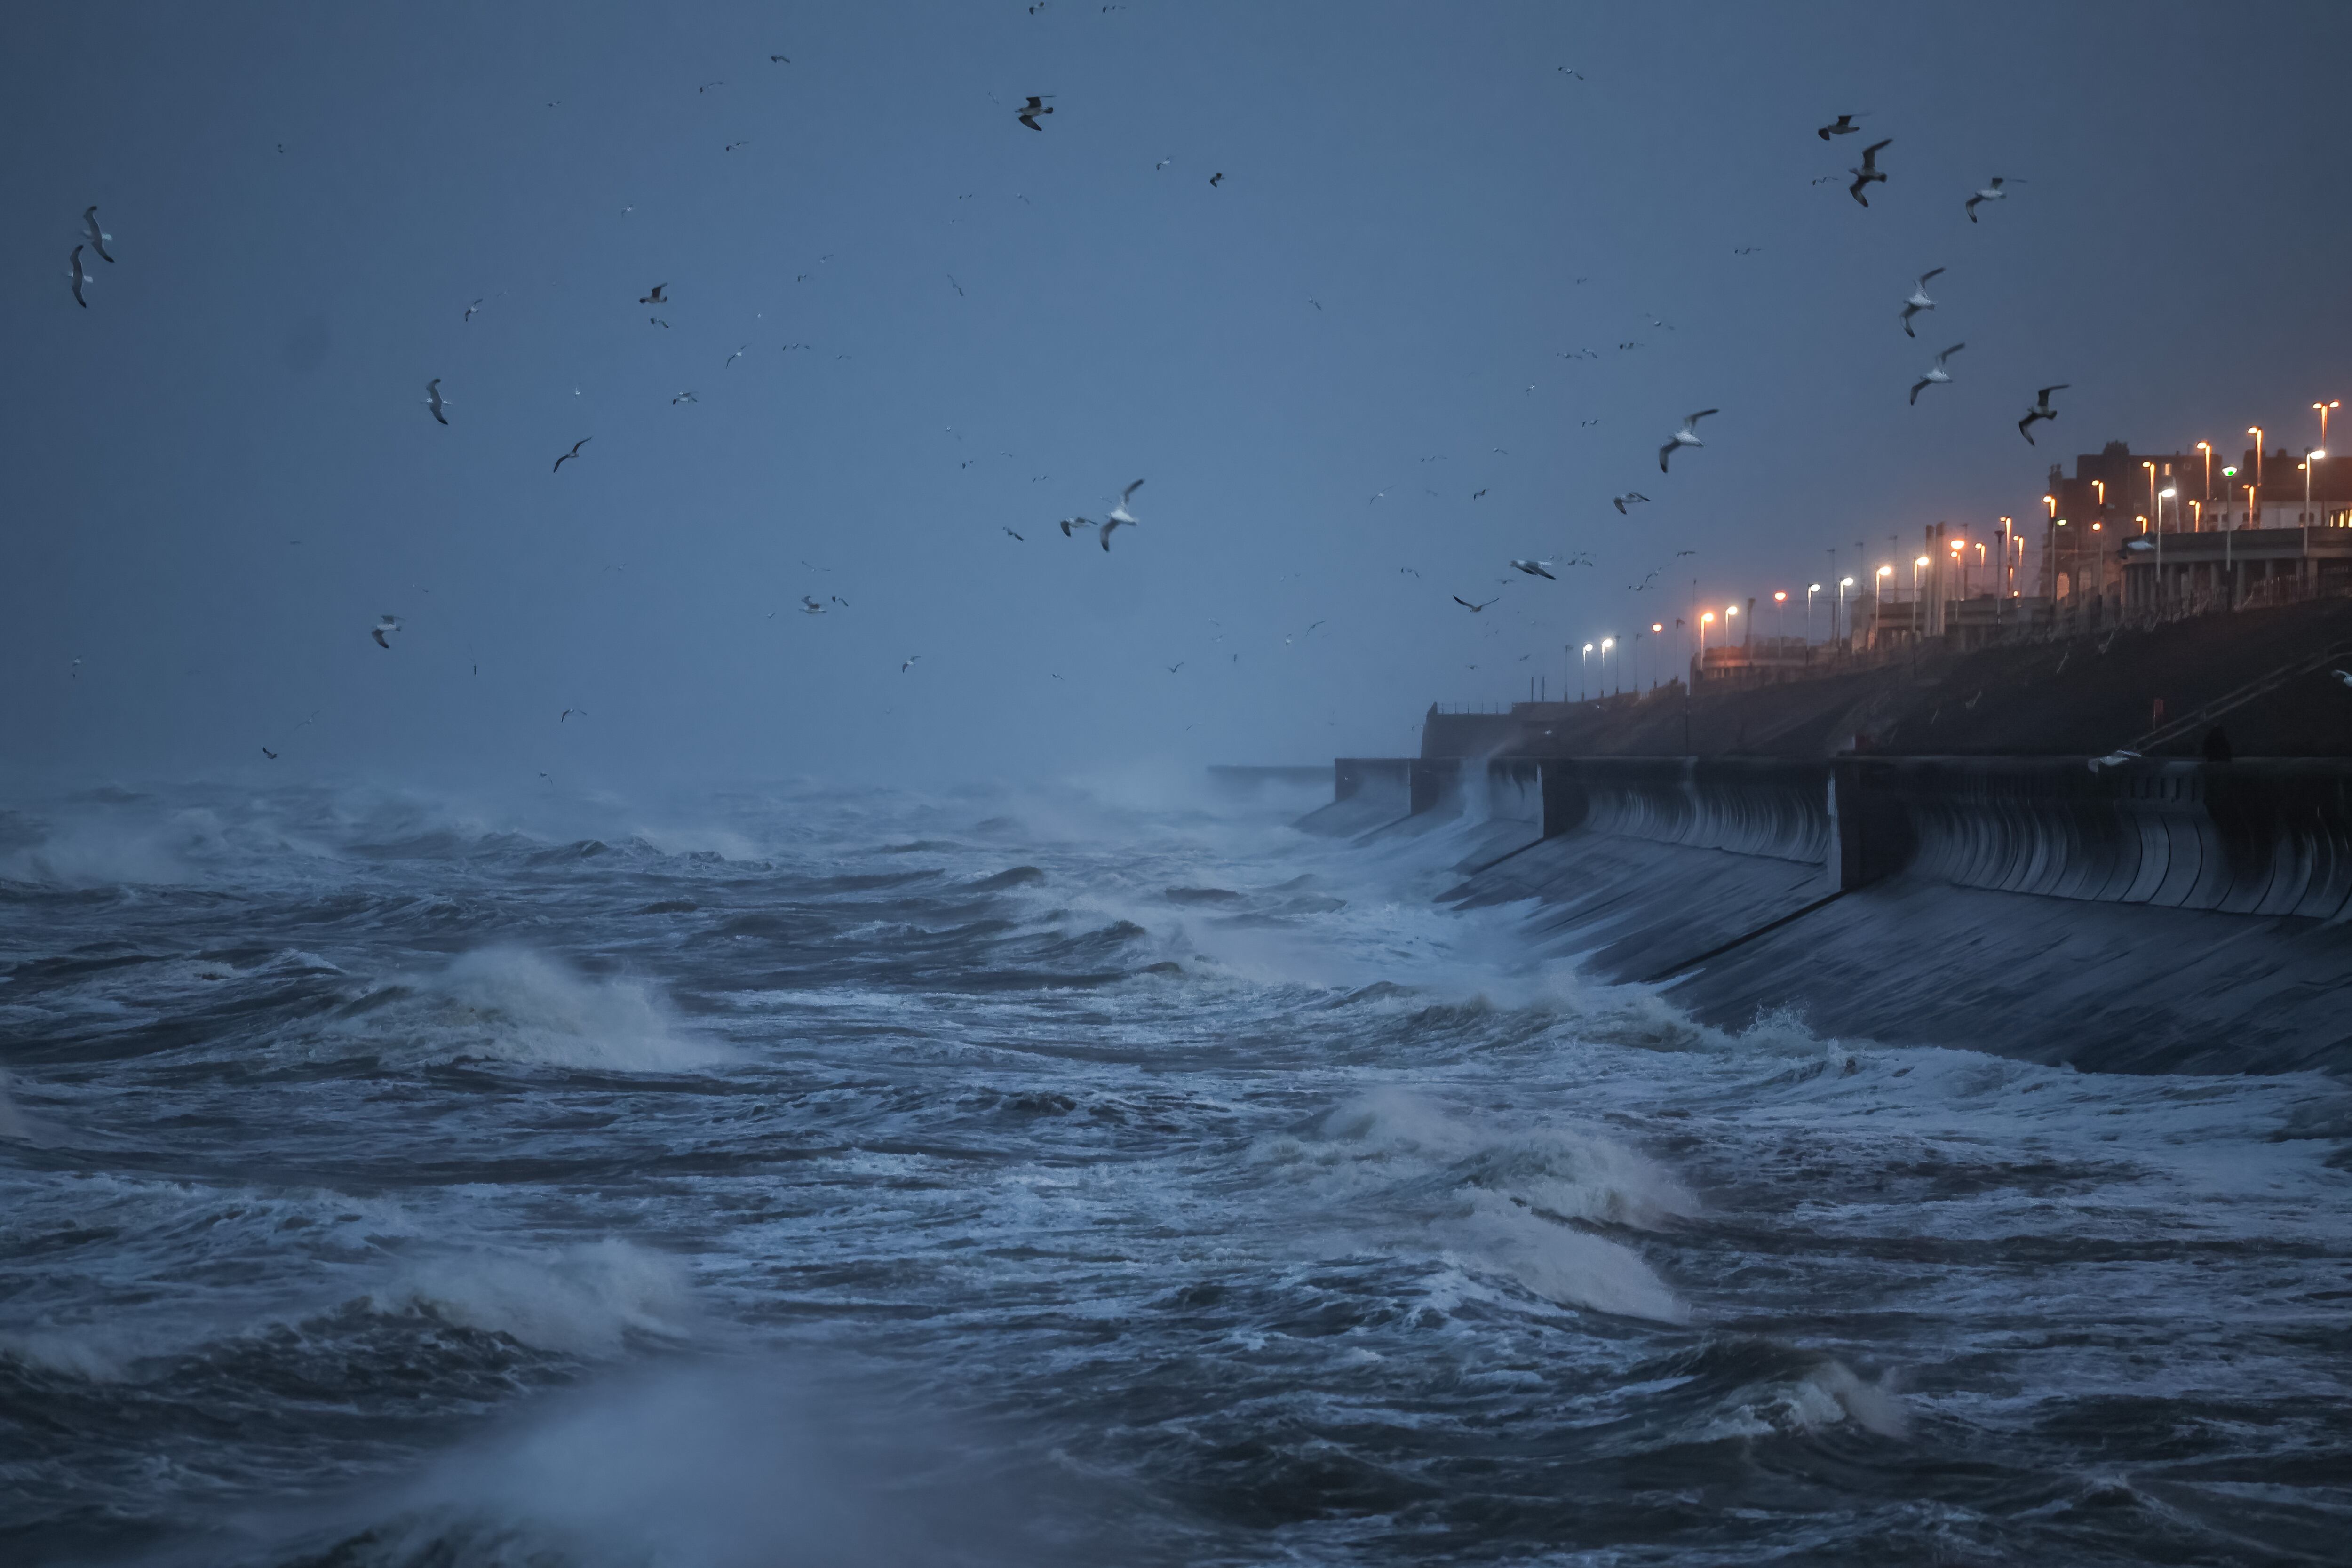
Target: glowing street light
point(1657, 628)
point(1843, 584)
point(1780, 615)
point(2323, 408)
point(1606, 644)
point(2207, 448)
point(1810, 589)
point(2256, 432)
point(1583, 661)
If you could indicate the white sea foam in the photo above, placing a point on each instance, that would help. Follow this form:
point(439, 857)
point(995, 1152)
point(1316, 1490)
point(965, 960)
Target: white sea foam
point(518, 1005)
point(1504, 1199)
point(582, 1299)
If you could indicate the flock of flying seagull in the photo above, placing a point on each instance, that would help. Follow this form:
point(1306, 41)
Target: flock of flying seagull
point(1864, 174)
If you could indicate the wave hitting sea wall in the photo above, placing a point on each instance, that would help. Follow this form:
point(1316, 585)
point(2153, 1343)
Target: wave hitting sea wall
point(2154, 917)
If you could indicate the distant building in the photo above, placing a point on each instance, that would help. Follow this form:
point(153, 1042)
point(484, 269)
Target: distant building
point(2247, 523)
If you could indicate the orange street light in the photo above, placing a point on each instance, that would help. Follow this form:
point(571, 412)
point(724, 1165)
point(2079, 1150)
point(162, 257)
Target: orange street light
point(2207, 448)
point(2256, 432)
point(2323, 409)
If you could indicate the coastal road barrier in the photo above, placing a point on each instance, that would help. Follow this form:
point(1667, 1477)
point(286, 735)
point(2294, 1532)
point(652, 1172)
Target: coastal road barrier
point(2153, 917)
point(2259, 836)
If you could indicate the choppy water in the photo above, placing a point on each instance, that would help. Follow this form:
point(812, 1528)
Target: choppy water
point(833, 1177)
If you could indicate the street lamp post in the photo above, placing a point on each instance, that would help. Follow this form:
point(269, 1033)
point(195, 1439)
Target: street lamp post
point(1583, 662)
point(2256, 432)
point(1843, 584)
point(2314, 456)
point(2207, 448)
point(1657, 628)
point(2323, 408)
point(1780, 617)
point(1810, 589)
point(1606, 644)
point(1706, 620)
point(2169, 493)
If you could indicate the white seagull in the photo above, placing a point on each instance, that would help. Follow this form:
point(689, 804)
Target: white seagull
point(1685, 436)
point(73, 269)
point(810, 606)
point(390, 623)
point(1869, 173)
point(1935, 376)
point(1536, 569)
point(2343, 675)
point(435, 401)
point(1118, 514)
point(1070, 523)
point(1993, 192)
point(1918, 300)
point(2041, 410)
point(98, 236)
point(1027, 113)
point(1619, 501)
point(1843, 125)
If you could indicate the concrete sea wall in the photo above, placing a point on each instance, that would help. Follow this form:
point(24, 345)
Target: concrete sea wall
point(2167, 916)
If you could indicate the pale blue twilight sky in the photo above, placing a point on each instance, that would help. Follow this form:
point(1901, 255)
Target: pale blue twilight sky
point(1413, 282)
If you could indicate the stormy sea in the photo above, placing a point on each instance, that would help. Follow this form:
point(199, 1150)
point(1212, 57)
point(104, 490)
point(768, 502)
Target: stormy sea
point(1102, 1173)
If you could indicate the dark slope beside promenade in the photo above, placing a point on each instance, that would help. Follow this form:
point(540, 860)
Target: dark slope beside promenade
point(2069, 698)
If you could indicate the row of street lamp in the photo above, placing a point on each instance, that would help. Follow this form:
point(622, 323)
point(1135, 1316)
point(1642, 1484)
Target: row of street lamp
point(2010, 539)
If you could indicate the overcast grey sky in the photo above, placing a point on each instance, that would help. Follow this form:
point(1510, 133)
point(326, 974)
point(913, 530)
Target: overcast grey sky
point(1423, 217)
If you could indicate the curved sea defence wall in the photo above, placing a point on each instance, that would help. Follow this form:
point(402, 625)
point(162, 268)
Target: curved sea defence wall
point(2155, 916)
point(2262, 837)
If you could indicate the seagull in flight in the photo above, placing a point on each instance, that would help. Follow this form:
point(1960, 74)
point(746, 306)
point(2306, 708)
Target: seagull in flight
point(572, 453)
point(471, 309)
point(1685, 436)
point(73, 268)
point(2343, 675)
point(98, 236)
point(1466, 605)
point(435, 401)
point(1027, 113)
point(1619, 501)
point(1070, 523)
point(1869, 173)
point(654, 298)
point(1992, 193)
point(910, 664)
point(390, 623)
point(271, 754)
point(1843, 125)
point(1918, 300)
point(1217, 179)
point(1536, 569)
point(1935, 376)
point(1016, 536)
point(733, 357)
point(706, 86)
point(2041, 410)
point(568, 712)
point(1118, 514)
point(810, 606)
point(684, 397)
point(1177, 666)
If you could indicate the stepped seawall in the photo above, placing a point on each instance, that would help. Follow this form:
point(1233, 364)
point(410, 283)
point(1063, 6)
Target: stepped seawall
point(2157, 916)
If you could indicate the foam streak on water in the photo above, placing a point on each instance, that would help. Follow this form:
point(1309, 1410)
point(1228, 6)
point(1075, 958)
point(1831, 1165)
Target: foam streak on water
point(807, 1177)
